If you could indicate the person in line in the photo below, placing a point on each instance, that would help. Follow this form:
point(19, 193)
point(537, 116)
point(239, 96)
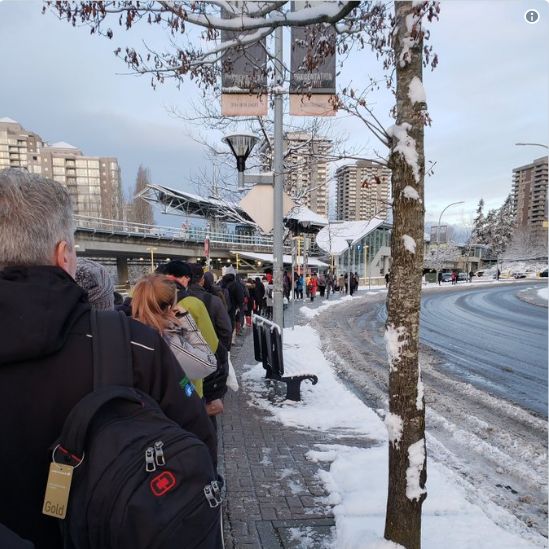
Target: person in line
point(95, 279)
point(298, 290)
point(259, 296)
point(212, 288)
point(46, 358)
point(215, 385)
point(321, 284)
point(236, 294)
point(153, 304)
point(269, 290)
point(312, 286)
point(342, 283)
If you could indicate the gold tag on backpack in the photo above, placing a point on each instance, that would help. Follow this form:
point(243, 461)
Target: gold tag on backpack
point(57, 490)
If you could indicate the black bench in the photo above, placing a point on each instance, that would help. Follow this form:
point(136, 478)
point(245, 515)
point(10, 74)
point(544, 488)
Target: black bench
point(268, 351)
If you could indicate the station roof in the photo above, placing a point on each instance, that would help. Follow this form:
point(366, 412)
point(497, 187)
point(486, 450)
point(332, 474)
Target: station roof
point(182, 202)
point(333, 238)
point(287, 259)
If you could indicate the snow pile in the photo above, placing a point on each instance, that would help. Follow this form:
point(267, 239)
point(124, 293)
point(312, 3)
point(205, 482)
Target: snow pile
point(357, 483)
point(416, 91)
point(410, 192)
point(394, 428)
point(409, 243)
point(326, 406)
point(406, 146)
point(416, 457)
point(544, 293)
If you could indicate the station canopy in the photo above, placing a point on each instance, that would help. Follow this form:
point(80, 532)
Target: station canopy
point(333, 238)
point(299, 219)
point(192, 205)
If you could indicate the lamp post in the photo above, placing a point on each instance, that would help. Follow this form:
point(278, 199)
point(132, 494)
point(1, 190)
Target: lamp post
point(366, 271)
point(349, 242)
point(241, 145)
point(152, 250)
point(438, 230)
point(534, 145)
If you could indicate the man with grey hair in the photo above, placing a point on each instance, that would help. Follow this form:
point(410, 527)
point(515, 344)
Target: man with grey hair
point(46, 353)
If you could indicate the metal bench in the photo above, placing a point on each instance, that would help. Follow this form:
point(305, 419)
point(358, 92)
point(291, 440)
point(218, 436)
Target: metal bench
point(268, 351)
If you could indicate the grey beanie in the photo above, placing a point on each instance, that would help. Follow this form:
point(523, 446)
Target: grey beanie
point(94, 278)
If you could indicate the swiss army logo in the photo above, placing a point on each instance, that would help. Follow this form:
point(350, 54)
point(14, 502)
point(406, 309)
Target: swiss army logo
point(162, 483)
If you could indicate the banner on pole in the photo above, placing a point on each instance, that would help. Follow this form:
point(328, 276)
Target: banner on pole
point(313, 68)
point(243, 75)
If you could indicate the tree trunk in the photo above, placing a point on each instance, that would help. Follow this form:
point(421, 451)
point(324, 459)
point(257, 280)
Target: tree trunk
point(407, 455)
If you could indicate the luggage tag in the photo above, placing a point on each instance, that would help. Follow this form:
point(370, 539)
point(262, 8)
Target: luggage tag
point(57, 490)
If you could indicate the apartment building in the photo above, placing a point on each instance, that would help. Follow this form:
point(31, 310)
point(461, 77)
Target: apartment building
point(362, 191)
point(530, 196)
point(306, 166)
point(93, 182)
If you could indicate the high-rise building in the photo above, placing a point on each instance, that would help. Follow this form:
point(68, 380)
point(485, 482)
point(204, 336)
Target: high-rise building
point(306, 159)
point(363, 191)
point(93, 182)
point(530, 196)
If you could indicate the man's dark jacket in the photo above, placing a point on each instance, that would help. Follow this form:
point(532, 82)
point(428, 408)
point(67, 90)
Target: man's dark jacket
point(45, 369)
point(218, 313)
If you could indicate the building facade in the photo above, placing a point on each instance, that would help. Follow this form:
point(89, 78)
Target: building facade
point(363, 191)
point(306, 167)
point(93, 182)
point(530, 197)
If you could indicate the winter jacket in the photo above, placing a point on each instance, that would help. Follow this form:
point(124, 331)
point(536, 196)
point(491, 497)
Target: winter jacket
point(45, 369)
point(218, 314)
point(236, 293)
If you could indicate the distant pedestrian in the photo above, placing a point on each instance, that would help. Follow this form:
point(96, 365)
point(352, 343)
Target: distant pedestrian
point(387, 280)
point(321, 284)
point(312, 286)
point(454, 277)
point(439, 277)
point(471, 275)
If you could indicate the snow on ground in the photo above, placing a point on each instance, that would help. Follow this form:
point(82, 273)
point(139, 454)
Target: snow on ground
point(311, 313)
point(544, 293)
point(357, 477)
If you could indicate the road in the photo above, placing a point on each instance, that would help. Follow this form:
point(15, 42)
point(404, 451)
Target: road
point(491, 339)
point(497, 446)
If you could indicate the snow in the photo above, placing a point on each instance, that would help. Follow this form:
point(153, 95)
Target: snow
point(416, 91)
point(544, 293)
point(61, 145)
point(333, 237)
point(304, 215)
point(395, 339)
point(311, 313)
point(406, 146)
point(7, 120)
point(420, 390)
point(410, 192)
point(416, 457)
point(394, 428)
point(409, 243)
point(355, 478)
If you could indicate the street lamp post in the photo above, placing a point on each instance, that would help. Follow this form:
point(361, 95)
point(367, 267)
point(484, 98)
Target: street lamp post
point(349, 242)
point(534, 145)
point(241, 145)
point(438, 231)
point(152, 250)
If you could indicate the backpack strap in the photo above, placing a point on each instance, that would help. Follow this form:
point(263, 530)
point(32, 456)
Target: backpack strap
point(112, 354)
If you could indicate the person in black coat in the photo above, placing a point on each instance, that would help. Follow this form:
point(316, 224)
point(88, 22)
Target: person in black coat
point(46, 364)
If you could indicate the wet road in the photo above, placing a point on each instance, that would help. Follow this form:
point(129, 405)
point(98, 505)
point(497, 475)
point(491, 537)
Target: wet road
point(491, 339)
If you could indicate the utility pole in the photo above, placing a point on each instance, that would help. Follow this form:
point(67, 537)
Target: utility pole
point(278, 167)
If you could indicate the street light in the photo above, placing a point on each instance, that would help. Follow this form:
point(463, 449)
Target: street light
point(349, 242)
point(438, 229)
point(241, 145)
point(152, 250)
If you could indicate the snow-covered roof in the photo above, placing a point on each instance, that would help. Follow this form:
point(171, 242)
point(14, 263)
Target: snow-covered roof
point(287, 259)
point(62, 145)
point(305, 216)
point(333, 237)
point(8, 120)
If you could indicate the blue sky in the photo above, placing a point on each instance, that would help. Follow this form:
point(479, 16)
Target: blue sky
point(490, 90)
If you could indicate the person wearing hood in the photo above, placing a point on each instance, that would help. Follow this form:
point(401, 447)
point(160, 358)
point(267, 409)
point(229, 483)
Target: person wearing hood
point(46, 362)
point(235, 291)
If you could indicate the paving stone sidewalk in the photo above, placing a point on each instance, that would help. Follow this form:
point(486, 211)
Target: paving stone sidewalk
point(274, 497)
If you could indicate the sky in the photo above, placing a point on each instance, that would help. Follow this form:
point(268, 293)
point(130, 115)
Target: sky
point(489, 91)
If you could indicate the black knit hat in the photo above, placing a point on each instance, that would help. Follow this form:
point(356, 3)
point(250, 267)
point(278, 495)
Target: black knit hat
point(178, 268)
point(197, 272)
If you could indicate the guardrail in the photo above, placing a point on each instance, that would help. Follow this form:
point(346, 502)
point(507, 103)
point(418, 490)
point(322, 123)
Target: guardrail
point(186, 233)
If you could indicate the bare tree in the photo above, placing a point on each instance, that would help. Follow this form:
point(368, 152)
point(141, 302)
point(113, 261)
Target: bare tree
point(141, 211)
point(398, 38)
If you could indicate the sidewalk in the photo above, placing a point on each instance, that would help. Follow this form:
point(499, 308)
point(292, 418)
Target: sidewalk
point(274, 497)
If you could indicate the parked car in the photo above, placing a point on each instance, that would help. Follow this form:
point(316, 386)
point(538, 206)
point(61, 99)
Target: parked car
point(543, 273)
point(446, 277)
point(518, 275)
point(479, 273)
point(463, 276)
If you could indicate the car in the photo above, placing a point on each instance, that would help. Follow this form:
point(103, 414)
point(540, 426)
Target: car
point(543, 273)
point(518, 274)
point(446, 277)
point(463, 276)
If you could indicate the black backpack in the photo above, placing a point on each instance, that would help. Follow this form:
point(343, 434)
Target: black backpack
point(140, 480)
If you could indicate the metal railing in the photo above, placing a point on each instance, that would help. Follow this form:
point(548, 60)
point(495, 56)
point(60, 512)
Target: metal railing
point(186, 233)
